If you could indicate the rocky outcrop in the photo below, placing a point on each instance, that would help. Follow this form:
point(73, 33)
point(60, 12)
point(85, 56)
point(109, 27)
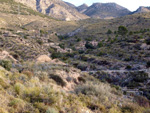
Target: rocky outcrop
point(54, 8)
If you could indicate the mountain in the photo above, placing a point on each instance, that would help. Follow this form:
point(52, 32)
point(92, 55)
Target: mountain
point(142, 10)
point(106, 10)
point(72, 5)
point(54, 8)
point(82, 8)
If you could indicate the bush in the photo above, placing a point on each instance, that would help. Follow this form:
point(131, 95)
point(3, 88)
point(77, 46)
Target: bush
point(81, 79)
point(56, 55)
point(122, 30)
point(100, 44)
point(109, 31)
point(58, 80)
point(6, 64)
point(89, 46)
point(40, 42)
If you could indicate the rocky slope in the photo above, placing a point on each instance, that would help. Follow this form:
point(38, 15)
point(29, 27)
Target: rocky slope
point(106, 10)
point(54, 8)
point(142, 10)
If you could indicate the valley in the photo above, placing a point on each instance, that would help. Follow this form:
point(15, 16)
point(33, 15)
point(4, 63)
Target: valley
point(89, 63)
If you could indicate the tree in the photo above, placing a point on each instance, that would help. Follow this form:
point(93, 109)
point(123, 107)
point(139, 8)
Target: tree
point(109, 31)
point(122, 30)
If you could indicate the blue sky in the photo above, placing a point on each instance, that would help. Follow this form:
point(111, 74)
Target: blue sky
point(130, 4)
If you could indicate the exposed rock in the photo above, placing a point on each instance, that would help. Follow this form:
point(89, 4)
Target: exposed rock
point(54, 8)
point(43, 58)
point(5, 54)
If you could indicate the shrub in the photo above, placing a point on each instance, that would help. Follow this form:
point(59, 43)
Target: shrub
point(62, 46)
point(78, 39)
point(58, 80)
point(109, 31)
point(130, 33)
point(122, 30)
point(17, 104)
point(100, 44)
point(40, 42)
point(6, 64)
point(51, 110)
point(81, 79)
point(28, 73)
point(89, 46)
point(56, 55)
point(3, 83)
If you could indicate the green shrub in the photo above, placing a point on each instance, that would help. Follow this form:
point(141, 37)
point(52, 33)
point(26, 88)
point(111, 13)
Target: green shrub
point(100, 44)
point(122, 30)
point(109, 31)
point(6, 64)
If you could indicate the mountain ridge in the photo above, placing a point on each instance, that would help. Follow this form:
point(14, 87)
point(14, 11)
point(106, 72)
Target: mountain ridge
point(106, 10)
point(54, 8)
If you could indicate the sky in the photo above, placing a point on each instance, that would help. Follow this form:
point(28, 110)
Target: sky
point(132, 5)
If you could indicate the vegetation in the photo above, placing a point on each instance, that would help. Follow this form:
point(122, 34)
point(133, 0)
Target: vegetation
point(122, 30)
point(88, 72)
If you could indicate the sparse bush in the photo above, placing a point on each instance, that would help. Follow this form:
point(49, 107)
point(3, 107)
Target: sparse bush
point(58, 80)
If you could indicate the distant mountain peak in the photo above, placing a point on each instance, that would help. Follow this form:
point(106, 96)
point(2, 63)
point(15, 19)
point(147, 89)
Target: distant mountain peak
point(82, 8)
point(55, 8)
point(106, 10)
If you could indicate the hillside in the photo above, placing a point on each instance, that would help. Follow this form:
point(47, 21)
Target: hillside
point(54, 8)
point(86, 66)
point(142, 10)
point(106, 10)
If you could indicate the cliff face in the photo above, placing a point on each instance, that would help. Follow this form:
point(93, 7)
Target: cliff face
point(54, 8)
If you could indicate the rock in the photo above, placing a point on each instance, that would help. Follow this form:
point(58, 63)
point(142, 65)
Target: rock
point(5, 54)
point(43, 58)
